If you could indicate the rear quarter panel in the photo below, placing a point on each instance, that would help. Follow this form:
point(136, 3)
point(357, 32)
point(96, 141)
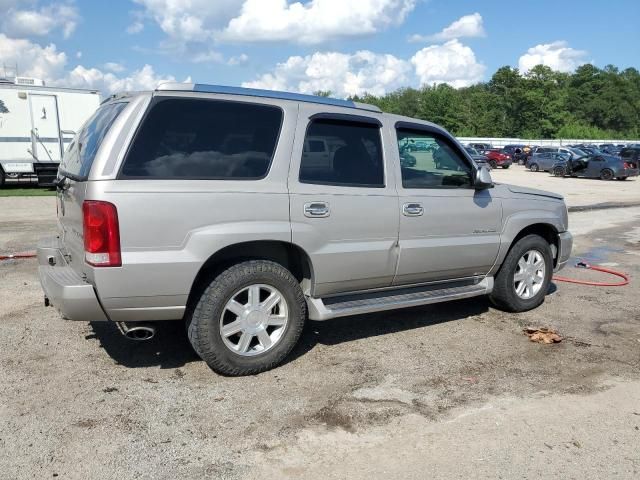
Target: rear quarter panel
point(169, 228)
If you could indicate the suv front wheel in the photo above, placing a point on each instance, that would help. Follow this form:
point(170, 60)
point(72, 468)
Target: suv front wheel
point(525, 275)
point(248, 319)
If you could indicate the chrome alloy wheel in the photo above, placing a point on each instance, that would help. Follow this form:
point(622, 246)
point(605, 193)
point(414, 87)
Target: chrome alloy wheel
point(253, 320)
point(529, 275)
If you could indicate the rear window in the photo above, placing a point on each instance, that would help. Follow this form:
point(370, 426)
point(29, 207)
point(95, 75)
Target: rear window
point(82, 151)
point(204, 139)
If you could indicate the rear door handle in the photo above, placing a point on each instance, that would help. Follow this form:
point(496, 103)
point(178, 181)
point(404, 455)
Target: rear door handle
point(316, 209)
point(412, 210)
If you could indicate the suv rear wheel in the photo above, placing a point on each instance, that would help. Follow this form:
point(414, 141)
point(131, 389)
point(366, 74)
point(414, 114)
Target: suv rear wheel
point(248, 319)
point(523, 279)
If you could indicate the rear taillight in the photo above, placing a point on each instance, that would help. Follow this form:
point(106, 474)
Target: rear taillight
point(101, 234)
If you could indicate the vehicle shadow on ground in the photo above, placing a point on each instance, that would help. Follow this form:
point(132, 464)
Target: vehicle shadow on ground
point(348, 329)
point(169, 348)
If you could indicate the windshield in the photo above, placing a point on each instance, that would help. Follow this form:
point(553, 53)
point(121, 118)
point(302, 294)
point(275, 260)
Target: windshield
point(79, 157)
point(577, 152)
point(471, 151)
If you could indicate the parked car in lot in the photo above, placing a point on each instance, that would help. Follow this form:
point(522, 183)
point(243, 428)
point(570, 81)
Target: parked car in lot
point(544, 162)
point(497, 158)
point(201, 203)
point(481, 146)
point(571, 152)
point(605, 167)
point(631, 155)
point(519, 153)
point(478, 158)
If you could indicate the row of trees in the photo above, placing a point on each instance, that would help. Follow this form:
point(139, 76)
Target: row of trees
point(591, 103)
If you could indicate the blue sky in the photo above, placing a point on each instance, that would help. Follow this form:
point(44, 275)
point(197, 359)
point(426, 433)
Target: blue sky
point(344, 46)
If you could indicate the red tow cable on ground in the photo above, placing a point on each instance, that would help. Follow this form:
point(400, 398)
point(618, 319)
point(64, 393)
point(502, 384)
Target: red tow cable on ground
point(625, 278)
point(18, 255)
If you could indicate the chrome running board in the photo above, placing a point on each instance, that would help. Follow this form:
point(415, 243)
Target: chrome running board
point(351, 305)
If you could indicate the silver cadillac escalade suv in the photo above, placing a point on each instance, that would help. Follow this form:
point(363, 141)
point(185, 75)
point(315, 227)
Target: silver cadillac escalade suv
point(244, 212)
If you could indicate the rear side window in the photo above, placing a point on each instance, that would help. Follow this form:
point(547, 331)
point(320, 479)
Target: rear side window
point(82, 151)
point(204, 139)
point(353, 159)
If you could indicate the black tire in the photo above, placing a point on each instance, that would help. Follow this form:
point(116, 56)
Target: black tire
point(559, 171)
point(204, 325)
point(506, 166)
point(493, 164)
point(504, 294)
point(534, 167)
point(1, 178)
point(606, 174)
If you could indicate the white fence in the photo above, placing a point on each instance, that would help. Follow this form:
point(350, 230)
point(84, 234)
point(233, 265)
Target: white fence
point(501, 142)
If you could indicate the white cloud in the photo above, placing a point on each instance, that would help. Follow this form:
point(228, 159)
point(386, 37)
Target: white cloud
point(452, 63)
point(367, 72)
point(142, 79)
point(247, 21)
point(191, 20)
point(49, 64)
point(136, 27)
point(40, 21)
point(238, 60)
point(469, 26)
point(340, 73)
point(113, 67)
point(32, 59)
point(557, 55)
point(315, 21)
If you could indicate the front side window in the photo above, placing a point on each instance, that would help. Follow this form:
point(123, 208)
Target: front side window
point(352, 156)
point(441, 165)
point(204, 139)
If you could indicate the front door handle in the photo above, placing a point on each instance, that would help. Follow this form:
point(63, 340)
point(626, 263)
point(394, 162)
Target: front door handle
point(412, 210)
point(316, 209)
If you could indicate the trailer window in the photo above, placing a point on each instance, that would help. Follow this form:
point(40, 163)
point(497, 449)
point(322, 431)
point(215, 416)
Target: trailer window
point(82, 151)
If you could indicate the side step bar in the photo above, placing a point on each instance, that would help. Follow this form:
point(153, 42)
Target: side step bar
point(318, 310)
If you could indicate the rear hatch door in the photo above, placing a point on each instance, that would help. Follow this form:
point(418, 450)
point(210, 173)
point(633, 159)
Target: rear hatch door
point(73, 176)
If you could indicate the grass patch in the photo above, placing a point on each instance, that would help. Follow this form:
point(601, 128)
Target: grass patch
point(11, 191)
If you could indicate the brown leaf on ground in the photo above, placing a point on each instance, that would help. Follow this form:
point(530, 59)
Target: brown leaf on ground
point(542, 335)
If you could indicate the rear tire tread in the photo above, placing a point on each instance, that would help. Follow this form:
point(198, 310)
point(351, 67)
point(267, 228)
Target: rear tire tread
point(205, 317)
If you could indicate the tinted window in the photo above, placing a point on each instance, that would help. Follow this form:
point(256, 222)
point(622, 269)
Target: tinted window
point(355, 157)
point(316, 146)
point(204, 139)
point(441, 166)
point(82, 151)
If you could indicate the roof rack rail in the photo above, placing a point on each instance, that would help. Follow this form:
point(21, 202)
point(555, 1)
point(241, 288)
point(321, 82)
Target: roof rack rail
point(255, 92)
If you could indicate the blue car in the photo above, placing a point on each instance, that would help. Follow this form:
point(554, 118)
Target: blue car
point(605, 167)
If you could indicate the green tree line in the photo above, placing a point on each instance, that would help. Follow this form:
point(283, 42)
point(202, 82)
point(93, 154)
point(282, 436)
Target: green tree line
point(591, 103)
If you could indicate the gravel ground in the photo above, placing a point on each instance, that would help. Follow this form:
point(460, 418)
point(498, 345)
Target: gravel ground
point(445, 391)
point(576, 191)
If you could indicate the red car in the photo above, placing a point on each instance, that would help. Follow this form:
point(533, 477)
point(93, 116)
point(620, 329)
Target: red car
point(497, 158)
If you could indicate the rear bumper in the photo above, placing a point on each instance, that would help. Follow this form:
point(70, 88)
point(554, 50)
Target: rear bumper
point(64, 288)
point(628, 172)
point(565, 244)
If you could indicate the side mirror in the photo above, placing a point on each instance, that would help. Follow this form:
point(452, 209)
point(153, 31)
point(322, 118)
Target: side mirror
point(483, 179)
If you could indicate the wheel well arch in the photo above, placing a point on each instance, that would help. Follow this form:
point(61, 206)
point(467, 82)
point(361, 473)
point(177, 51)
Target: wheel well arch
point(289, 255)
point(546, 231)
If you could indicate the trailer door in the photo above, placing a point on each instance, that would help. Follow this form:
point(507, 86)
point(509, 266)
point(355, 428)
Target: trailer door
point(46, 127)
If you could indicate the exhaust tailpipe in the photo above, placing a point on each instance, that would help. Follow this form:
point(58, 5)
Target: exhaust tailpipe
point(138, 331)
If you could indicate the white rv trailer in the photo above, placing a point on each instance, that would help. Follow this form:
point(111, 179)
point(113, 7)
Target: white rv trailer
point(36, 125)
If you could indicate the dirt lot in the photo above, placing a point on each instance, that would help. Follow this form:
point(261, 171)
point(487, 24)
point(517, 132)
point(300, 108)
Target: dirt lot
point(577, 191)
point(447, 391)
